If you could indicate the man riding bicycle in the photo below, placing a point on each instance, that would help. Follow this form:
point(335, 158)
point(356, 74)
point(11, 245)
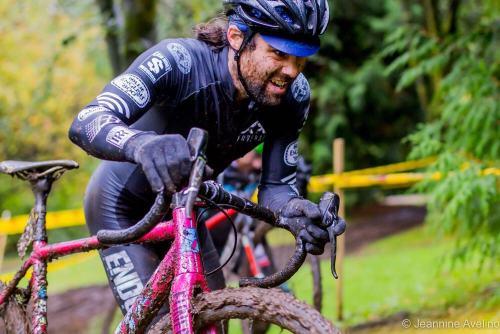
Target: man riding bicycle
point(241, 81)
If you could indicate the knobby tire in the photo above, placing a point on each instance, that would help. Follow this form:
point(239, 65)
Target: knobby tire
point(269, 305)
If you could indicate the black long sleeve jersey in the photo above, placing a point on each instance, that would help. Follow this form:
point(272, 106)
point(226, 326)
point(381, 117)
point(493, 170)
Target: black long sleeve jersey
point(183, 83)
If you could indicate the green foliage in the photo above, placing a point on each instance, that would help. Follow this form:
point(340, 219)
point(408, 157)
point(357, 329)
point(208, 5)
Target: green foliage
point(460, 71)
point(53, 63)
point(177, 18)
point(351, 96)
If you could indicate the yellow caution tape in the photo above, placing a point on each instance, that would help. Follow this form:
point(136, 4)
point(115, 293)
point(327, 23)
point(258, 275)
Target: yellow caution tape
point(55, 220)
point(394, 168)
point(55, 266)
point(346, 180)
point(324, 183)
point(491, 171)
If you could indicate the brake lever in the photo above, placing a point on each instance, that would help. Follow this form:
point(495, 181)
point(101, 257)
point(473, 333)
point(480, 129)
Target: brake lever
point(329, 207)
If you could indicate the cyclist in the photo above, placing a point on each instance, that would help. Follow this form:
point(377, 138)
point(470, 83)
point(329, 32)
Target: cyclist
point(241, 81)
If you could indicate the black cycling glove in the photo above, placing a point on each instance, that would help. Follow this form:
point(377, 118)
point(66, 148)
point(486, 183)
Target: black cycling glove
point(165, 159)
point(302, 218)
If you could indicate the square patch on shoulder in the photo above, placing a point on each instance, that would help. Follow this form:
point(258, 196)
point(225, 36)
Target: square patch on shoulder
point(155, 66)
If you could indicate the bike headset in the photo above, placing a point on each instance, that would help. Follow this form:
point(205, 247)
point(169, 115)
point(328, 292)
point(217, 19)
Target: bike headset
point(290, 26)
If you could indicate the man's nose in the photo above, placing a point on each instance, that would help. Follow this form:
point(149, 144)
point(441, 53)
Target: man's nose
point(293, 66)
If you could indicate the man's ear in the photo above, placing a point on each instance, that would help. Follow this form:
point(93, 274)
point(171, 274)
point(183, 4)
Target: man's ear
point(234, 37)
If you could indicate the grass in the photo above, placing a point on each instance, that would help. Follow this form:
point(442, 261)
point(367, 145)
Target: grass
point(404, 272)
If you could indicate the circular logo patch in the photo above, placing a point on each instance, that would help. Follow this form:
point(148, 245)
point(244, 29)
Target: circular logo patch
point(291, 154)
point(300, 88)
point(181, 56)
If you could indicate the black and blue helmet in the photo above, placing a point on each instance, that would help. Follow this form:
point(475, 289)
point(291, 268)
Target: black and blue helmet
point(291, 26)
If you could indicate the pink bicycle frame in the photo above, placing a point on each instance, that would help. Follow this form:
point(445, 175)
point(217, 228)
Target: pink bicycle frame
point(44, 252)
point(183, 262)
point(179, 273)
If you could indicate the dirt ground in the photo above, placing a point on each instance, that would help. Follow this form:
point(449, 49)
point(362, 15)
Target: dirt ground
point(72, 311)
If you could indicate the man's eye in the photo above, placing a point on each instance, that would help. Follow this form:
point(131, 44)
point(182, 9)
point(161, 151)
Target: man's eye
point(279, 53)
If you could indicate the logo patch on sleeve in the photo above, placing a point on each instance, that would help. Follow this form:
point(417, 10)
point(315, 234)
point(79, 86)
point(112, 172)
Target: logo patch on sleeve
point(156, 66)
point(300, 88)
point(181, 56)
point(119, 135)
point(134, 87)
point(114, 102)
point(94, 127)
point(82, 115)
point(291, 154)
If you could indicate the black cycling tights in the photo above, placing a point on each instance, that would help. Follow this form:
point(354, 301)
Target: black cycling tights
point(118, 196)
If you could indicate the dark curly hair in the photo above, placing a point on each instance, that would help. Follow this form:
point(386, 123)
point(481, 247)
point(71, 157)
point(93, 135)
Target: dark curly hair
point(213, 32)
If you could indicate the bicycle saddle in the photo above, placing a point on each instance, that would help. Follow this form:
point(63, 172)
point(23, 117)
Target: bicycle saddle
point(32, 170)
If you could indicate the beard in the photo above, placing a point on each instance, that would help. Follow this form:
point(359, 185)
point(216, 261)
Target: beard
point(257, 82)
point(257, 90)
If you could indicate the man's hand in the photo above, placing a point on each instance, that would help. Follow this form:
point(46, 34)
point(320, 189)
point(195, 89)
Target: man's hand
point(302, 218)
point(165, 159)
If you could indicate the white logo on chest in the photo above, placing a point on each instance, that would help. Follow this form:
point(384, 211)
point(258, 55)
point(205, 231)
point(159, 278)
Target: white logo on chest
point(254, 133)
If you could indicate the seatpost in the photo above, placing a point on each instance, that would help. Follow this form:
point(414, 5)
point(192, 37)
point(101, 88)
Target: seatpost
point(41, 189)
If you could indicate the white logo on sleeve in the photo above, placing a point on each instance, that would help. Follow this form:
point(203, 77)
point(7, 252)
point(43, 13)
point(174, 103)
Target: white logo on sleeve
point(85, 113)
point(119, 135)
point(93, 128)
point(181, 56)
point(155, 66)
point(300, 88)
point(291, 154)
point(114, 102)
point(134, 87)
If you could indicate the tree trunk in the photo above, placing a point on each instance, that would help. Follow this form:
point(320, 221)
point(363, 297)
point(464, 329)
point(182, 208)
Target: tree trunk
point(140, 30)
point(112, 34)
point(129, 27)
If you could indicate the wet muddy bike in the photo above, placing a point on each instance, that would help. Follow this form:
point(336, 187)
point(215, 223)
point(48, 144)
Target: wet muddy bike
point(179, 279)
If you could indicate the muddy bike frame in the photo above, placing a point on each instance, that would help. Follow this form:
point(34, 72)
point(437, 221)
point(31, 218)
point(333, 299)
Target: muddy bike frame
point(181, 267)
point(180, 273)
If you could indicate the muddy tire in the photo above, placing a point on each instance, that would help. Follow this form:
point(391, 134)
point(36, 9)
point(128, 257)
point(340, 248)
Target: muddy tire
point(13, 315)
point(269, 305)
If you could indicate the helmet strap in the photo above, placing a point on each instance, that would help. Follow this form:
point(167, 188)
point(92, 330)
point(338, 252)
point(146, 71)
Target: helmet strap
point(246, 38)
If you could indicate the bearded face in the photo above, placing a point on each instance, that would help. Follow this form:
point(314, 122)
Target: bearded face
point(268, 72)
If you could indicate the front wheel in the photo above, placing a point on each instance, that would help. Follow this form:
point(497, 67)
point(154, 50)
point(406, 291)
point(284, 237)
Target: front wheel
point(268, 305)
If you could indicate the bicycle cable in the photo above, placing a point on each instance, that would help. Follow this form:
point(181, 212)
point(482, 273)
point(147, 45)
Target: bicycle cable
point(233, 225)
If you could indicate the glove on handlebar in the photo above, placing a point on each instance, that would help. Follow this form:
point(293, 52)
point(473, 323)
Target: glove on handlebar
point(303, 219)
point(165, 159)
